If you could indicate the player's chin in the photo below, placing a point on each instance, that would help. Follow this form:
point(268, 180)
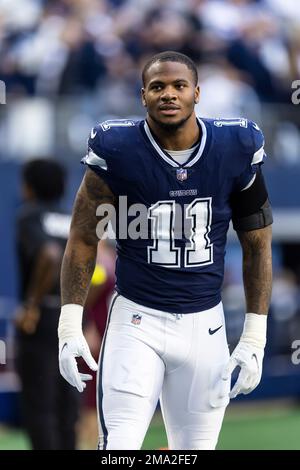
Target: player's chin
point(172, 121)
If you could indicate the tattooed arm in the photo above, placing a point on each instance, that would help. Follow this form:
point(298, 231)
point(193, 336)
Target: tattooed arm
point(80, 254)
point(257, 274)
point(257, 268)
point(77, 269)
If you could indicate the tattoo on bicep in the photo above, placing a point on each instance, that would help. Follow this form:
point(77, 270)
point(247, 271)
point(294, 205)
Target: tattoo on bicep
point(92, 192)
point(256, 241)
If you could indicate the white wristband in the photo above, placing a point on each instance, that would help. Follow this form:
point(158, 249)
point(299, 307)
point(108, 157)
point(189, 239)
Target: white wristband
point(70, 321)
point(255, 330)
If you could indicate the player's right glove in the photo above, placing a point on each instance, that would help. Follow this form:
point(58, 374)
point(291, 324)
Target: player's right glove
point(248, 355)
point(73, 344)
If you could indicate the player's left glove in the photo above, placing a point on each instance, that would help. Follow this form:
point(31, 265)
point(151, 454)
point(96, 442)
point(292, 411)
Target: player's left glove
point(248, 355)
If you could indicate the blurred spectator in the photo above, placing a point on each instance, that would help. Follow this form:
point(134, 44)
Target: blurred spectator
point(284, 319)
point(225, 94)
point(49, 404)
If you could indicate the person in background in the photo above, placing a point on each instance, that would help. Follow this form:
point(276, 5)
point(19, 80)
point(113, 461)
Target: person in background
point(49, 404)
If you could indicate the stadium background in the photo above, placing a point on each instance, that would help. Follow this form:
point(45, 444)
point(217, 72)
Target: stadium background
point(67, 64)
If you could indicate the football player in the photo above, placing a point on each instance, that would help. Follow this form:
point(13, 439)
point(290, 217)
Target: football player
point(165, 335)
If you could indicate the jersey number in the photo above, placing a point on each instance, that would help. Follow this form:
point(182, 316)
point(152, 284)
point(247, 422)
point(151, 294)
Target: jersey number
point(106, 125)
point(231, 122)
point(164, 252)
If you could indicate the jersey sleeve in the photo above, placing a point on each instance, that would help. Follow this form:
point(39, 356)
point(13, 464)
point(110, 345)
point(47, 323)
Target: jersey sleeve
point(97, 157)
point(253, 153)
point(100, 156)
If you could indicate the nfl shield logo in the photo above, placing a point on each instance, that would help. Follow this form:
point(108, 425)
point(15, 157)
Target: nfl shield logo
point(181, 174)
point(136, 319)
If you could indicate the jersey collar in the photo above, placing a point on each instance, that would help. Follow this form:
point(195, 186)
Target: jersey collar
point(196, 155)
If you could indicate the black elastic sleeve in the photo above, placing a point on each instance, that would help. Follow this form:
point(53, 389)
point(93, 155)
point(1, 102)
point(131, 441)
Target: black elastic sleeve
point(251, 208)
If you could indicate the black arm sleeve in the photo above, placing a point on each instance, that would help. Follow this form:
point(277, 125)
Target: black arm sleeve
point(251, 209)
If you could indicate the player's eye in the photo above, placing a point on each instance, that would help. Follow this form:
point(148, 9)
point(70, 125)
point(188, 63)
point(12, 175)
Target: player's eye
point(180, 86)
point(156, 87)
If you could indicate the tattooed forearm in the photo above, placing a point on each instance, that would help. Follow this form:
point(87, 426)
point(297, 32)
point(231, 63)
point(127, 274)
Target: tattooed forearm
point(79, 258)
point(77, 269)
point(257, 269)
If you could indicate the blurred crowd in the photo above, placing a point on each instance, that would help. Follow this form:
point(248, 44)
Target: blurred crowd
point(61, 47)
point(52, 51)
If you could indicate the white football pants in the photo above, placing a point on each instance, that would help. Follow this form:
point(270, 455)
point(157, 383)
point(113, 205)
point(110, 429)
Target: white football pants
point(148, 354)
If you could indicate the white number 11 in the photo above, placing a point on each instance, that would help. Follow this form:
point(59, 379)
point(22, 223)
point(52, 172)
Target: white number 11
point(163, 252)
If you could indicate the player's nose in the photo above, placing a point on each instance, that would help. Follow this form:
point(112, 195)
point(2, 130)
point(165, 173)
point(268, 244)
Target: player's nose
point(168, 94)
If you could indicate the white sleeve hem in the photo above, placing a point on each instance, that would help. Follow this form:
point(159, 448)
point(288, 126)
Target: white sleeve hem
point(258, 156)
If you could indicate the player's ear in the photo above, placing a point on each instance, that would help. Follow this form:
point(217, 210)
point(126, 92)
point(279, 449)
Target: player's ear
point(143, 97)
point(197, 94)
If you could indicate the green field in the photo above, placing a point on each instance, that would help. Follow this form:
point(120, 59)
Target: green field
point(265, 428)
point(276, 429)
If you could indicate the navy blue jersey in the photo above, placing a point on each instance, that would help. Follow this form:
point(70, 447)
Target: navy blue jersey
point(177, 263)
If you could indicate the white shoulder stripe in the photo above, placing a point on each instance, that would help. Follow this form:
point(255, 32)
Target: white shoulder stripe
point(92, 159)
point(258, 156)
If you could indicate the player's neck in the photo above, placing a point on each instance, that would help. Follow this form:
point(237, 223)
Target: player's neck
point(181, 138)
